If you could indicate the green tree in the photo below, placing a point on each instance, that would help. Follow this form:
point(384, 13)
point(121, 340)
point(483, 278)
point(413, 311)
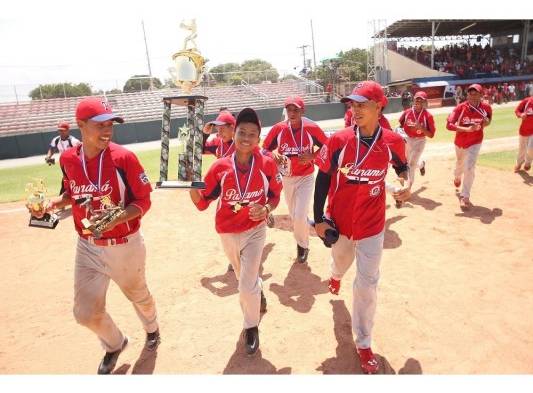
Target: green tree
point(113, 91)
point(259, 71)
point(347, 66)
point(60, 90)
point(140, 83)
point(218, 71)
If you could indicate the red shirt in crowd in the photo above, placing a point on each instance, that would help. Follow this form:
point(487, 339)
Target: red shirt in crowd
point(465, 115)
point(218, 147)
point(410, 117)
point(525, 106)
point(258, 183)
point(122, 179)
point(356, 199)
point(291, 142)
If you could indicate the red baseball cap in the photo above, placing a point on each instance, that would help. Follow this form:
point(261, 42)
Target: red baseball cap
point(421, 94)
point(224, 117)
point(297, 101)
point(63, 126)
point(96, 109)
point(476, 87)
point(248, 115)
point(366, 91)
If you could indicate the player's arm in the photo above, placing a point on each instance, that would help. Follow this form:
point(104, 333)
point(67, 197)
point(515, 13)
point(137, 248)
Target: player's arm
point(202, 198)
point(520, 110)
point(487, 119)
point(326, 167)
point(453, 120)
point(399, 164)
point(430, 130)
point(271, 144)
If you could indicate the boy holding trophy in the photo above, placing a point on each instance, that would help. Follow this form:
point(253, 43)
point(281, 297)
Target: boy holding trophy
point(109, 193)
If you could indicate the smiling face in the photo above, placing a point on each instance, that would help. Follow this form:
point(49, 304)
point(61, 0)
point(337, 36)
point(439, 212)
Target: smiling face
point(294, 113)
point(95, 135)
point(246, 137)
point(226, 132)
point(366, 114)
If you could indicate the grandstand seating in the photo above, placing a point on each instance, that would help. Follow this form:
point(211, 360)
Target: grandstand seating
point(43, 115)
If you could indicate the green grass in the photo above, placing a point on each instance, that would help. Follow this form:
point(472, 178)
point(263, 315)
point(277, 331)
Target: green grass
point(14, 180)
point(503, 160)
point(504, 123)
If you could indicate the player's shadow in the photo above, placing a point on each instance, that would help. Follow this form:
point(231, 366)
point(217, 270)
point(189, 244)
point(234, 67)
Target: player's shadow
point(299, 288)
point(426, 203)
point(528, 179)
point(346, 360)
point(226, 284)
point(242, 363)
point(483, 214)
point(392, 239)
point(145, 364)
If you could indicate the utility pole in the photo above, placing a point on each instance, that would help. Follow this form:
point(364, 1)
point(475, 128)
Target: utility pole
point(313, 43)
point(148, 58)
point(303, 53)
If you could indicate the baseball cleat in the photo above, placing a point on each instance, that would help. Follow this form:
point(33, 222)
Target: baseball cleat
point(110, 359)
point(398, 203)
point(457, 182)
point(527, 167)
point(230, 267)
point(263, 306)
point(152, 340)
point(251, 340)
point(302, 254)
point(368, 361)
point(423, 169)
point(334, 286)
point(517, 168)
point(464, 203)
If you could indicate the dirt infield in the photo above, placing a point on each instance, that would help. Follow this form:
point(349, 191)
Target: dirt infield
point(455, 295)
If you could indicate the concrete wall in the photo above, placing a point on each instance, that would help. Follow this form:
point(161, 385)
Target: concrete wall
point(402, 68)
point(25, 145)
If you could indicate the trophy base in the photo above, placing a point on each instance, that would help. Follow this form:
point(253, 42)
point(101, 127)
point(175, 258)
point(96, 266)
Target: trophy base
point(199, 185)
point(48, 221)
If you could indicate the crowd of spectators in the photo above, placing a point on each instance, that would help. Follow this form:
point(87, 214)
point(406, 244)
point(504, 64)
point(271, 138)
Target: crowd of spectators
point(466, 60)
point(499, 93)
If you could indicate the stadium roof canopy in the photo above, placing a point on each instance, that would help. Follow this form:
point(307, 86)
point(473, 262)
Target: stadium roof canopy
point(418, 28)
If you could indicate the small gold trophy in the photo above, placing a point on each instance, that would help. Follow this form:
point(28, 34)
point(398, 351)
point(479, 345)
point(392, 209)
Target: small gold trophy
point(37, 202)
point(101, 218)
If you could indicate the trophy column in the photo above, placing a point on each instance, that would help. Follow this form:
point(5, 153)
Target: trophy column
point(190, 160)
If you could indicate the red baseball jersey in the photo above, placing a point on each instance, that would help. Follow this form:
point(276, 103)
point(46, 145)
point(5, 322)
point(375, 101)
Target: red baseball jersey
point(218, 147)
point(356, 199)
point(116, 173)
point(384, 123)
point(348, 121)
point(465, 115)
point(410, 117)
point(236, 188)
point(291, 142)
point(526, 106)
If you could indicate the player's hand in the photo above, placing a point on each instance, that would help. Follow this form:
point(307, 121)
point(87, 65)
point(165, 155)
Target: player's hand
point(402, 193)
point(321, 229)
point(279, 158)
point(305, 158)
point(257, 212)
point(523, 115)
point(208, 128)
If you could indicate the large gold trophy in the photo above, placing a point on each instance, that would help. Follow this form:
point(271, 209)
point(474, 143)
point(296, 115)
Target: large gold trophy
point(187, 73)
point(37, 203)
point(100, 218)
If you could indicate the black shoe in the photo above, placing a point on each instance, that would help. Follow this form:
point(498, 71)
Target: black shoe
point(398, 204)
point(251, 340)
point(230, 267)
point(302, 254)
point(110, 359)
point(152, 340)
point(263, 307)
point(423, 168)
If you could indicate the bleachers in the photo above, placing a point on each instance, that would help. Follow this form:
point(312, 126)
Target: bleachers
point(43, 115)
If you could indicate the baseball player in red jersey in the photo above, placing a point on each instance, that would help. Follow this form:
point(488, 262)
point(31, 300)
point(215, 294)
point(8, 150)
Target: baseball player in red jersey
point(248, 186)
point(293, 145)
point(95, 171)
point(358, 158)
point(468, 120)
point(524, 111)
point(383, 121)
point(221, 145)
point(417, 124)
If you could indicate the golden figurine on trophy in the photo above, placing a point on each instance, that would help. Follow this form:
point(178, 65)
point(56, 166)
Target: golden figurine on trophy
point(100, 218)
point(37, 205)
